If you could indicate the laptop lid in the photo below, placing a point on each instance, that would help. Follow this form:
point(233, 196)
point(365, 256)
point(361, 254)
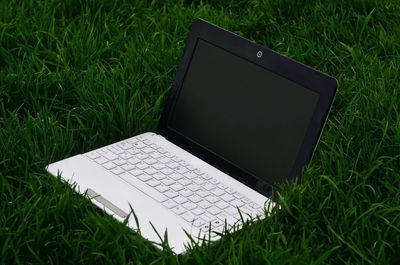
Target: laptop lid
point(246, 110)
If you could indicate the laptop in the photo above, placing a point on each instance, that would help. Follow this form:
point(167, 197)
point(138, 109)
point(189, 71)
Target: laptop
point(239, 119)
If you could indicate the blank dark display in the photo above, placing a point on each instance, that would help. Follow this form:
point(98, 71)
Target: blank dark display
point(251, 117)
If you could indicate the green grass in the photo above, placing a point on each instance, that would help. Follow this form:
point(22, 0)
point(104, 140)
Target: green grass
point(77, 75)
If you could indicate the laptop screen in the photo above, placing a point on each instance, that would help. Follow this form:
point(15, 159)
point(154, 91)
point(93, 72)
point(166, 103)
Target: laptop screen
point(242, 112)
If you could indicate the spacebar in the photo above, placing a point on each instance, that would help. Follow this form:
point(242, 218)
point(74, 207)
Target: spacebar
point(143, 187)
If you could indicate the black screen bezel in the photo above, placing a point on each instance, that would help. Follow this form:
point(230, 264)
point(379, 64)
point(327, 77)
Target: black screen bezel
point(292, 70)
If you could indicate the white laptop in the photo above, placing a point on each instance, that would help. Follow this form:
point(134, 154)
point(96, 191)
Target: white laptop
point(239, 119)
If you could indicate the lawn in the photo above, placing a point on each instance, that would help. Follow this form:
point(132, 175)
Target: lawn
point(77, 75)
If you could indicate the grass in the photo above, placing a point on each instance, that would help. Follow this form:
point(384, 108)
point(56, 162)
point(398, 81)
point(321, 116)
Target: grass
point(77, 75)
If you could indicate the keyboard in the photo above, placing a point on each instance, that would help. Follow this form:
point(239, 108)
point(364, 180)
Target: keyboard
point(188, 192)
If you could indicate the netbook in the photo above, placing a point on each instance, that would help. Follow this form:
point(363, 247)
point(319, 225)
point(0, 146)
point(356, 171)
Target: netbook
point(239, 119)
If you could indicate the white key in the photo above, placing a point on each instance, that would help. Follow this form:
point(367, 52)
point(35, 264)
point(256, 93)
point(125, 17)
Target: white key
point(139, 145)
point(193, 187)
point(150, 161)
point(158, 166)
point(218, 192)
point(181, 170)
point(177, 187)
point(199, 222)
point(231, 210)
point(227, 197)
point(128, 167)
point(222, 204)
point(161, 150)
point(117, 170)
point(101, 160)
point(124, 145)
point(237, 203)
point(191, 175)
point(134, 160)
point(204, 204)
point(256, 206)
point(156, 155)
point(125, 155)
point(159, 176)
point(109, 165)
point(147, 141)
point(144, 177)
point(198, 211)
point(172, 165)
point(200, 181)
point(213, 181)
point(167, 171)
point(147, 150)
point(178, 209)
point(162, 188)
point(151, 171)
point(229, 190)
point(216, 230)
point(212, 199)
point(168, 182)
point(132, 140)
point(189, 206)
point(221, 186)
point(141, 165)
point(93, 155)
point(119, 161)
point(190, 167)
point(238, 195)
point(205, 227)
point(171, 194)
point(169, 204)
point(186, 193)
point(205, 176)
point(246, 200)
point(188, 216)
point(214, 210)
point(256, 212)
point(216, 223)
point(183, 163)
point(108, 154)
point(167, 154)
point(209, 186)
point(136, 172)
point(245, 216)
point(115, 149)
point(134, 151)
point(203, 193)
point(185, 182)
point(180, 199)
point(176, 176)
point(198, 171)
point(164, 160)
point(230, 220)
point(195, 198)
point(175, 158)
point(153, 183)
point(142, 156)
point(246, 210)
point(262, 209)
point(143, 187)
point(207, 217)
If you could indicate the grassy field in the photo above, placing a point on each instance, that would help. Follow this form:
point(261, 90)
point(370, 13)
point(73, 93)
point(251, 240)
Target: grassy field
point(77, 75)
